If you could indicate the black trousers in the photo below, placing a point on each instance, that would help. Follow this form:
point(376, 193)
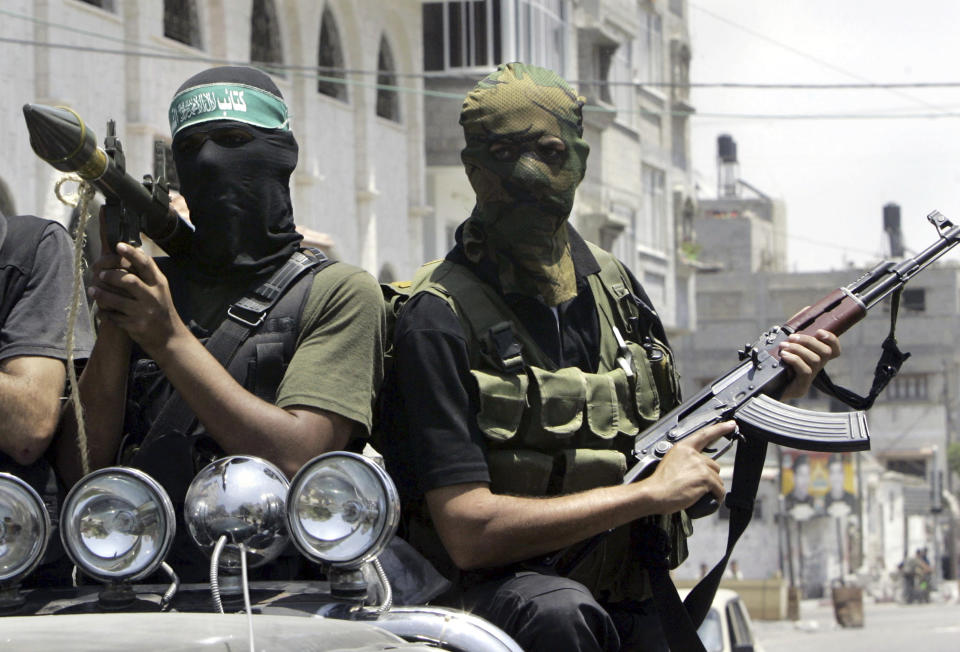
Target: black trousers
point(546, 613)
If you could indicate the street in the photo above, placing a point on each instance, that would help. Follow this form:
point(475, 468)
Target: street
point(931, 627)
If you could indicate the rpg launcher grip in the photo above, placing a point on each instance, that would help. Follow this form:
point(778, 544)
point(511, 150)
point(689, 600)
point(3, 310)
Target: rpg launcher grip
point(747, 393)
point(60, 137)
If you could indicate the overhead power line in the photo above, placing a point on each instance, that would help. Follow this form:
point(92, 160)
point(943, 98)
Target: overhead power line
point(316, 72)
point(806, 55)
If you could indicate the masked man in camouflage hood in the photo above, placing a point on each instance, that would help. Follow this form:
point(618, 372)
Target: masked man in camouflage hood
point(543, 358)
point(306, 364)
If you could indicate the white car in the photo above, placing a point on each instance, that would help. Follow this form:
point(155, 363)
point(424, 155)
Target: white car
point(727, 626)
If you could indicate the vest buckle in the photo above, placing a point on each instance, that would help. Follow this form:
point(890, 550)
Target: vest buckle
point(502, 348)
point(246, 319)
point(624, 356)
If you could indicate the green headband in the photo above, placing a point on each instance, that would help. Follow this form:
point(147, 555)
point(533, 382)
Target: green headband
point(238, 102)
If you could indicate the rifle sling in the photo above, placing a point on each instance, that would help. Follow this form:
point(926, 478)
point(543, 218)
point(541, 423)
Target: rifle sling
point(680, 620)
point(887, 367)
point(243, 317)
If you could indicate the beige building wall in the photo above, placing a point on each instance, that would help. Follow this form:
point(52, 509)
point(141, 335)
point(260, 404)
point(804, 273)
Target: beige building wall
point(360, 177)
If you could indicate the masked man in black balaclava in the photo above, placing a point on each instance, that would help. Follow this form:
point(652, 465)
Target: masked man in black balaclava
point(303, 380)
point(544, 358)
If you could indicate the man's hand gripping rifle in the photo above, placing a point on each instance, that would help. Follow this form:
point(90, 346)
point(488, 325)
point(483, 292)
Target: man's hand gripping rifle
point(747, 393)
point(60, 137)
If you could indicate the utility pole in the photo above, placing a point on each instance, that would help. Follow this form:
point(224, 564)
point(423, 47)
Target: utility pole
point(950, 552)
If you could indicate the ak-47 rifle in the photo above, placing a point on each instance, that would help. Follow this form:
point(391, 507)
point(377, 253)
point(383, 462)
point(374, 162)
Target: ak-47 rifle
point(60, 137)
point(747, 394)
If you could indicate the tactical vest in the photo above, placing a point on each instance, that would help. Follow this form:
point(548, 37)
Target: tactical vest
point(552, 431)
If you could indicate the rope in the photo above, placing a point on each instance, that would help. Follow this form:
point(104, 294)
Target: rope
point(81, 201)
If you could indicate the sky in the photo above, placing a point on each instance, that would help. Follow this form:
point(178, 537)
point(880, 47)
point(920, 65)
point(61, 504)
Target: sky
point(899, 145)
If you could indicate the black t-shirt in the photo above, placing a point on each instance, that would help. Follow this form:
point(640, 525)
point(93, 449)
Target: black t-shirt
point(433, 439)
point(36, 281)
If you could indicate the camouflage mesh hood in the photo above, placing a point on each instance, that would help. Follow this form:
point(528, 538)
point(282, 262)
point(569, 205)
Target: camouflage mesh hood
point(520, 218)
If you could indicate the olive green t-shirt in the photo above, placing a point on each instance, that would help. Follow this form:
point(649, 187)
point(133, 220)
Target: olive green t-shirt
point(338, 363)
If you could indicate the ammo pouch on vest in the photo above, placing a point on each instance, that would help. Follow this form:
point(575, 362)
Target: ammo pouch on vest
point(557, 432)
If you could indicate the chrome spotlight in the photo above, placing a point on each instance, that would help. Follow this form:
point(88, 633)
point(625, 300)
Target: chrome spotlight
point(117, 524)
point(24, 529)
point(342, 509)
point(242, 498)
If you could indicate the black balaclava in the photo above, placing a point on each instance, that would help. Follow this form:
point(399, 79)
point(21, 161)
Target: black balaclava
point(238, 196)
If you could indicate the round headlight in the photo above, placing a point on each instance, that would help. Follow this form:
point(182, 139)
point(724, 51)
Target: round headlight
point(24, 528)
point(342, 509)
point(117, 524)
point(243, 498)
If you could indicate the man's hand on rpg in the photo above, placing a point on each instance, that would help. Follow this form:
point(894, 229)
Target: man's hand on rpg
point(132, 292)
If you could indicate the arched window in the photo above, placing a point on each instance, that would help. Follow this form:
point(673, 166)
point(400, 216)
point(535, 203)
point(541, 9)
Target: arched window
point(388, 103)
point(265, 46)
point(7, 206)
point(330, 59)
point(180, 21)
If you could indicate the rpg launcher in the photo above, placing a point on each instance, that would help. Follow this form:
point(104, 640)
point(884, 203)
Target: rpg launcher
point(745, 394)
point(61, 138)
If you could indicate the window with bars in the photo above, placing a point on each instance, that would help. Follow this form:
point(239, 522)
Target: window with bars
point(180, 22)
point(621, 89)
point(541, 29)
point(914, 299)
point(265, 45)
point(908, 387)
point(331, 76)
point(650, 66)
point(470, 34)
point(461, 34)
point(388, 102)
point(652, 230)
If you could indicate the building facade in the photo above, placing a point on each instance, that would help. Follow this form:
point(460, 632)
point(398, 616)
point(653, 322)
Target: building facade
point(348, 70)
point(902, 491)
point(630, 61)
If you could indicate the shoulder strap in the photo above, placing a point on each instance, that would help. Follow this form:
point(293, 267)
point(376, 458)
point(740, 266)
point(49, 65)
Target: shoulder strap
point(493, 331)
point(632, 308)
point(243, 317)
